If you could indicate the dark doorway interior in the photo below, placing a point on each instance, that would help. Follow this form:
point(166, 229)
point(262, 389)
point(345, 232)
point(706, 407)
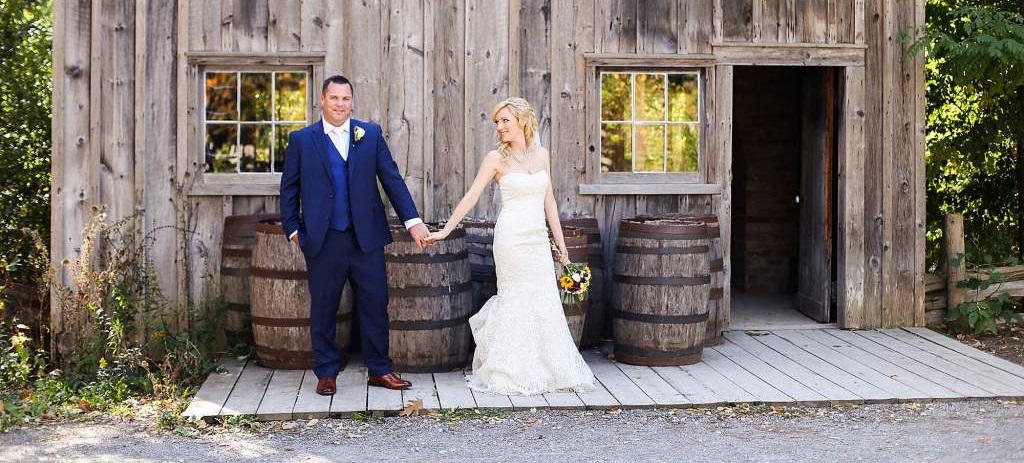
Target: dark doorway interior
point(783, 190)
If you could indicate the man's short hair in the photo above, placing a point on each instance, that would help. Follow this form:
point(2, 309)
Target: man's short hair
point(336, 79)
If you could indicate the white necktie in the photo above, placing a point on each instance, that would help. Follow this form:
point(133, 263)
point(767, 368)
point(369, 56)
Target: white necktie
point(338, 138)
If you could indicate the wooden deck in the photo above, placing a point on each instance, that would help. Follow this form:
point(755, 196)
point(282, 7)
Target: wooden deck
point(789, 367)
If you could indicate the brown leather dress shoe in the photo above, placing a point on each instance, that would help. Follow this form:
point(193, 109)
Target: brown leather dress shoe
point(327, 385)
point(390, 381)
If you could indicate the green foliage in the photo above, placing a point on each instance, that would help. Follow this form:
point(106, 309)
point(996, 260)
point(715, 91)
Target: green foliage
point(982, 314)
point(975, 121)
point(121, 336)
point(25, 68)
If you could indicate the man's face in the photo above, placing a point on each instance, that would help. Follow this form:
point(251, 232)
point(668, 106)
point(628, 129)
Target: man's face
point(336, 102)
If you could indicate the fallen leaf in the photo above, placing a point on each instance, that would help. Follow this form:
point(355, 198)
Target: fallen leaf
point(84, 405)
point(984, 441)
point(288, 425)
point(412, 408)
point(1, 408)
point(312, 423)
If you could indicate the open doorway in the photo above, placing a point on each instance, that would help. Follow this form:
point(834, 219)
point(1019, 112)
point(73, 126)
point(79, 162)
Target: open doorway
point(785, 140)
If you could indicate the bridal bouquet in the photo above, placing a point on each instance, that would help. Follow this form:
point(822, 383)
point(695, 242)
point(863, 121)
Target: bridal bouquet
point(574, 282)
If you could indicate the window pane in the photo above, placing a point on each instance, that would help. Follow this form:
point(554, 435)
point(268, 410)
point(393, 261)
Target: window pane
point(682, 97)
point(255, 96)
point(291, 96)
point(220, 96)
point(682, 148)
point(615, 97)
point(281, 144)
point(255, 148)
point(220, 148)
point(650, 148)
point(650, 97)
point(616, 148)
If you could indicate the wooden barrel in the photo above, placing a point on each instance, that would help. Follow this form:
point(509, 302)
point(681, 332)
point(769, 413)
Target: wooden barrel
point(575, 313)
point(237, 241)
point(662, 281)
point(718, 317)
point(431, 300)
point(596, 326)
point(480, 244)
point(280, 303)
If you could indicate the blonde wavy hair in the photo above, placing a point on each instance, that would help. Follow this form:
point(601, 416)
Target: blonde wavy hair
point(524, 114)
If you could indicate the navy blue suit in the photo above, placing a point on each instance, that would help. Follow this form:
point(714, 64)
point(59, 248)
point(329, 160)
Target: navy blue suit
point(340, 249)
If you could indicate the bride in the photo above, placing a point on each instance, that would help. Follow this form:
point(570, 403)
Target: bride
point(523, 345)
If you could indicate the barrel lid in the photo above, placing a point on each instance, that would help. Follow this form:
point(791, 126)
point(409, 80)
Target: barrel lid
point(663, 225)
point(270, 227)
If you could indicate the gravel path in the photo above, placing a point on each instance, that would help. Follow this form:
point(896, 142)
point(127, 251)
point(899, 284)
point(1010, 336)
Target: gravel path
point(961, 431)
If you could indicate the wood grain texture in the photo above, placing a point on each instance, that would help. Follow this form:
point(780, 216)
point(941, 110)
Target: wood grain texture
point(486, 74)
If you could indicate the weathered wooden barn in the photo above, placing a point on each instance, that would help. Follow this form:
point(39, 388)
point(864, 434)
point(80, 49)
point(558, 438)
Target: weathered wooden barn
point(799, 122)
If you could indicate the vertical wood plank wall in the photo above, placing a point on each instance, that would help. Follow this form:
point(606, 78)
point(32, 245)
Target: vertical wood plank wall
point(429, 72)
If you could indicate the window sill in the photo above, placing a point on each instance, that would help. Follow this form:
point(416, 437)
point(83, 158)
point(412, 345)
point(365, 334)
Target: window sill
point(236, 185)
point(651, 189)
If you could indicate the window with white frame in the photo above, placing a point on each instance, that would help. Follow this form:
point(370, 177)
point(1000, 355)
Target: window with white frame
point(650, 122)
point(247, 116)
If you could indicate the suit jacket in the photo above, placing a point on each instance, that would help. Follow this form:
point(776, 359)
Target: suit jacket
point(307, 192)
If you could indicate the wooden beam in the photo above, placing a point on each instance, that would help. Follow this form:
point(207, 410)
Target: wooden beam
point(293, 58)
point(840, 55)
point(648, 60)
point(650, 189)
point(850, 239)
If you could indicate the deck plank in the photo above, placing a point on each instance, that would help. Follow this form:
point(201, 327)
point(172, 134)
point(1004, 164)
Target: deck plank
point(1002, 382)
point(928, 388)
point(969, 351)
point(309, 404)
point(627, 393)
point(958, 386)
point(695, 391)
point(352, 390)
point(528, 402)
point(423, 389)
point(730, 368)
point(659, 390)
point(452, 392)
point(600, 397)
point(383, 401)
point(833, 392)
point(895, 389)
point(214, 392)
point(252, 384)
point(484, 400)
point(865, 390)
point(729, 392)
point(770, 375)
point(564, 400)
point(280, 397)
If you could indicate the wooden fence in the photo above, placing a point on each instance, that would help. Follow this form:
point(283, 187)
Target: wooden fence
point(941, 289)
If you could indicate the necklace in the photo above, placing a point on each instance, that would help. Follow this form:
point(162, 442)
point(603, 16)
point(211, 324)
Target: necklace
point(515, 156)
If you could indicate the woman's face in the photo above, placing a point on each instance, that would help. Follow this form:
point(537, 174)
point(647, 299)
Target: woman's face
point(507, 126)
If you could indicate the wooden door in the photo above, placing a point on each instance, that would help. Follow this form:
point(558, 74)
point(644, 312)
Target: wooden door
point(814, 292)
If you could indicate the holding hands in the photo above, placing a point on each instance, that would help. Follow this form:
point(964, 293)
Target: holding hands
point(437, 236)
point(420, 235)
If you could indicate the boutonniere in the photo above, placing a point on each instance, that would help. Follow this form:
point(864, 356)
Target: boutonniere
point(357, 134)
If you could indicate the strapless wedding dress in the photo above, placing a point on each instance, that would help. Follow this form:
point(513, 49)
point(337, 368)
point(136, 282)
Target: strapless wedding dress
point(523, 344)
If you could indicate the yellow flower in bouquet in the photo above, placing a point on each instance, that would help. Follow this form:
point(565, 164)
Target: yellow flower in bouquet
point(575, 281)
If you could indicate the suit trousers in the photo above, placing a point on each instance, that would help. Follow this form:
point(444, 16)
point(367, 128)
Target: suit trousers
point(338, 262)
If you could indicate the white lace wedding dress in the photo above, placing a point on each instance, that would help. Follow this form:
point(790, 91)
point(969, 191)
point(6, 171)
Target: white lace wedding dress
point(523, 345)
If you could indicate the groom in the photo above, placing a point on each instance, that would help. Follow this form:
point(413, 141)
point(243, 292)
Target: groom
point(331, 208)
